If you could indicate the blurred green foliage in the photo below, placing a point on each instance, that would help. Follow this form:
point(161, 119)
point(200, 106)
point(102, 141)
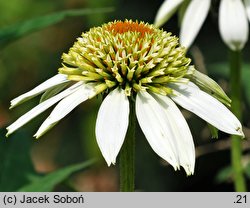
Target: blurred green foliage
point(15, 161)
point(48, 182)
point(13, 32)
point(44, 34)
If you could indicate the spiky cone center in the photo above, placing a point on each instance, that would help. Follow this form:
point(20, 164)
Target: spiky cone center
point(133, 55)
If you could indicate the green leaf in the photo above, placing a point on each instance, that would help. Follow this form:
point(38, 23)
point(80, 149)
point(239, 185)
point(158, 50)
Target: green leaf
point(13, 32)
point(224, 174)
point(15, 162)
point(48, 182)
point(227, 173)
point(246, 83)
point(247, 170)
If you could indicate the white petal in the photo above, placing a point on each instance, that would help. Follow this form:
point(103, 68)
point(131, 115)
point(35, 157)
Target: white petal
point(193, 19)
point(247, 5)
point(166, 10)
point(206, 107)
point(233, 24)
point(112, 123)
point(181, 133)
point(53, 81)
point(65, 106)
point(156, 128)
point(41, 108)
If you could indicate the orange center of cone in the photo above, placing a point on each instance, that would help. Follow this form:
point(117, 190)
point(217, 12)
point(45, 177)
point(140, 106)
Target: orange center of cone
point(123, 27)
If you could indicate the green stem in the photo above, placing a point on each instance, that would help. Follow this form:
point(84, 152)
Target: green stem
point(236, 149)
point(127, 155)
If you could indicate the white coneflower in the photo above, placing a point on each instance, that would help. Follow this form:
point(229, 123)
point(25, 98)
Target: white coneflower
point(233, 24)
point(133, 62)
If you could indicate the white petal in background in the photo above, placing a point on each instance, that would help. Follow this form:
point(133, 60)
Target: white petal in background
point(206, 107)
point(112, 124)
point(53, 81)
point(156, 128)
point(193, 20)
point(233, 24)
point(65, 106)
point(181, 133)
point(165, 12)
point(41, 108)
point(247, 5)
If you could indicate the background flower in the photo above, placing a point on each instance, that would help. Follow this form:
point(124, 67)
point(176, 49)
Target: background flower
point(233, 23)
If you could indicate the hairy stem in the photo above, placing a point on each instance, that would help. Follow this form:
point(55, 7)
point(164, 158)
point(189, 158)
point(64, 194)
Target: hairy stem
point(236, 145)
point(127, 155)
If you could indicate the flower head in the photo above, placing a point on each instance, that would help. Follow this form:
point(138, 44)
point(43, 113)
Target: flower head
point(130, 55)
point(133, 61)
point(233, 24)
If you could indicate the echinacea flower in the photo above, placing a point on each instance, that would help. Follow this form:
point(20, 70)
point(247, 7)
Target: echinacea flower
point(233, 23)
point(133, 62)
